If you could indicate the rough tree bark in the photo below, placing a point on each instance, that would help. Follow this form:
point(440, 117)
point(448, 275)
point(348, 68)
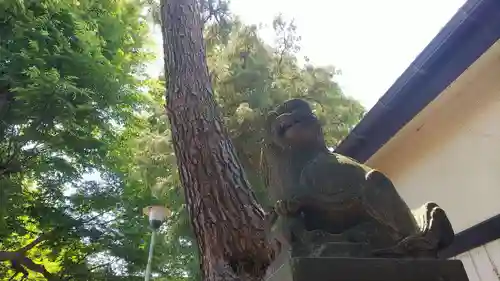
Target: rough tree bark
point(225, 215)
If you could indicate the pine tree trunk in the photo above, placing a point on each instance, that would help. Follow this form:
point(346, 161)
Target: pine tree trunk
point(225, 215)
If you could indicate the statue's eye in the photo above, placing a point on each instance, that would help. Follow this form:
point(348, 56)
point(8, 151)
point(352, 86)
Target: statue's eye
point(290, 122)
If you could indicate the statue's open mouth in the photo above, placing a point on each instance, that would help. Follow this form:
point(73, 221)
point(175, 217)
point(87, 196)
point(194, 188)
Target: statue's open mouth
point(285, 126)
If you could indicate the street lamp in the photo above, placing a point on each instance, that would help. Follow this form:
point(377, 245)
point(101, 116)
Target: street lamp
point(157, 215)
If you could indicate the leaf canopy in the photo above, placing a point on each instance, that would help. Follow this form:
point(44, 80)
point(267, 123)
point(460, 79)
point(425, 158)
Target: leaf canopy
point(85, 143)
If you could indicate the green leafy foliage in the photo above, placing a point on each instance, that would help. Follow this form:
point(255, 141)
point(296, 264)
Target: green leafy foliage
point(70, 78)
point(84, 148)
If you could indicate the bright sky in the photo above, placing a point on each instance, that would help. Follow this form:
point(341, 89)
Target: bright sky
point(372, 42)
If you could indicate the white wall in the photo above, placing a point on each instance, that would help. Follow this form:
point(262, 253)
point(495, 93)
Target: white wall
point(482, 263)
point(462, 174)
point(450, 152)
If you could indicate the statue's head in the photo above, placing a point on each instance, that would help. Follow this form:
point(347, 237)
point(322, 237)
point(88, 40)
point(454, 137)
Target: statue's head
point(294, 125)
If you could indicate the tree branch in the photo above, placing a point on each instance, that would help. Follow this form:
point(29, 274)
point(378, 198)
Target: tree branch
point(99, 266)
point(19, 257)
point(28, 263)
point(33, 243)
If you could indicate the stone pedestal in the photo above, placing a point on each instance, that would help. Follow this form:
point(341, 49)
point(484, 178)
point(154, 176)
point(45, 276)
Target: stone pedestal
point(288, 268)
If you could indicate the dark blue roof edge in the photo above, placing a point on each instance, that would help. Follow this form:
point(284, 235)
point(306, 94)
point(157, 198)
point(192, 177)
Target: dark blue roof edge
point(469, 33)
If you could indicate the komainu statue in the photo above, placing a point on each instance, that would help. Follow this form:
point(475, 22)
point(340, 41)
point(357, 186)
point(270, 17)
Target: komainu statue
point(326, 203)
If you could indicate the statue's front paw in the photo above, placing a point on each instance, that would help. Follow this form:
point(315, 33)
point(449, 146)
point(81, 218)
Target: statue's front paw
point(319, 236)
point(415, 245)
point(287, 207)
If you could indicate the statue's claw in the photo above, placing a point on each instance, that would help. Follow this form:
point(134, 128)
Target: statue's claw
point(415, 245)
point(395, 251)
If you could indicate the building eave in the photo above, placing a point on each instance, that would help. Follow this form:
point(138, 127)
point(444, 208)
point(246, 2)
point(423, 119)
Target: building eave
point(470, 32)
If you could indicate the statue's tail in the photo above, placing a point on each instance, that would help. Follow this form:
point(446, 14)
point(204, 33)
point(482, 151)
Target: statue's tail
point(436, 234)
point(434, 225)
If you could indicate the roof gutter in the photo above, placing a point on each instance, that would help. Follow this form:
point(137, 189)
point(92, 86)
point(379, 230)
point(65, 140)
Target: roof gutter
point(470, 32)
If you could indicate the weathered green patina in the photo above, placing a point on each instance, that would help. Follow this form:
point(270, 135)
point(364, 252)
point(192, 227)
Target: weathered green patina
point(331, 205)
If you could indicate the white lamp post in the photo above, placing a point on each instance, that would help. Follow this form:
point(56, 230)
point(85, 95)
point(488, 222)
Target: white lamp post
point(157, 215)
